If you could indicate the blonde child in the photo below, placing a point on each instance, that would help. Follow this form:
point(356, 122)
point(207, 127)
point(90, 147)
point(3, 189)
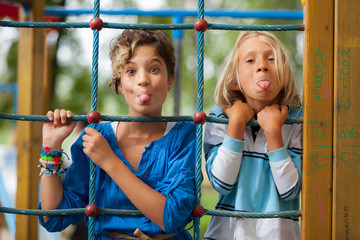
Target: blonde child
point(255, 168)
point(145, 166)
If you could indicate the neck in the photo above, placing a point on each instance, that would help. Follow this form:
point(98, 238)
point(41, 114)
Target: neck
point(257, 106)
point(141, 129)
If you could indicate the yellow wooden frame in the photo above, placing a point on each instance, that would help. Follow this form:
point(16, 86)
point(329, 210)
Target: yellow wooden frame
point(31, 77)
point(346, 138)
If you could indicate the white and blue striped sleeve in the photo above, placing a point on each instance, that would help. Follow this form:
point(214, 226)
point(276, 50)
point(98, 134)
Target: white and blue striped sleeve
point(224, 168)
point(286, 163)
point(285, 174)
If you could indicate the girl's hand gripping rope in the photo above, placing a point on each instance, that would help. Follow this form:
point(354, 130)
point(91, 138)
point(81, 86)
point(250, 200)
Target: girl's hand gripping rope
point(55, 132)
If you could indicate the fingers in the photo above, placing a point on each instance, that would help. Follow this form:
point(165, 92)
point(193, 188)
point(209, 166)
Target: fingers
point(59, 116)
point(90, 131)
point(50, 115)
point(64, 115)
point(90, 134)
point(56, 116)
point(91, 139)
point(284, 109)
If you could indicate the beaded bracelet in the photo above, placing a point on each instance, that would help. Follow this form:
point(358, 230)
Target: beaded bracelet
point(49, 156)
point(51, 162)
point(49, 172)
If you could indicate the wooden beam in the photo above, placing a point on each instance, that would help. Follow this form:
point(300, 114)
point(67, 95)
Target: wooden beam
point(30, 101)
point(318, 120)
point(346, 212)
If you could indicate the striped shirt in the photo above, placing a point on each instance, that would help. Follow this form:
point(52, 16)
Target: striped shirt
point(250, 178)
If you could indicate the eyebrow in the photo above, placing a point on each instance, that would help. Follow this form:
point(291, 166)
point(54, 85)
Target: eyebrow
point(270, 51)
point(155, 59)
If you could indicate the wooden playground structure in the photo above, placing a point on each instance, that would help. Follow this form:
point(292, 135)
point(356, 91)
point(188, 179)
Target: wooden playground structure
point(330, 196)
point(331, 140)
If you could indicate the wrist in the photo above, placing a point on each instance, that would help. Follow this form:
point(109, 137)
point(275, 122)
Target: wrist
point(51, 161)
point(236, 129)
point(111, 165)
point(54, 145)
point(274, 141)
point(273, 132)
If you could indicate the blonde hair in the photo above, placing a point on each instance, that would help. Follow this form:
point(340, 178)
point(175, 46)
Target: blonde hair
point(224, 94)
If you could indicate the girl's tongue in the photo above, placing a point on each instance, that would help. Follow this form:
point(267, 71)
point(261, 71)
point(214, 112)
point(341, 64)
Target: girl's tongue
point(144, 98)
point(263, 84)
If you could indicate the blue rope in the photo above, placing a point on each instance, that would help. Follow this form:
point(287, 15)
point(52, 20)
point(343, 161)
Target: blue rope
point(94, 97)
point(199, 127)
point(137, 213)
point(41, 118)
point(294, 27)
point(258, 14)
point(211, 26)
point(284, 214)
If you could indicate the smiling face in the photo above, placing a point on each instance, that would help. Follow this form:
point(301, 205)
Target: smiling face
point(257, 76)
point(145, 82)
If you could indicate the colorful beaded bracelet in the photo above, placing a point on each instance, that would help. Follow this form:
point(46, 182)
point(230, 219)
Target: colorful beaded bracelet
point(51, 162)
point(48, 172)
point(51, 156)
point(45, 162)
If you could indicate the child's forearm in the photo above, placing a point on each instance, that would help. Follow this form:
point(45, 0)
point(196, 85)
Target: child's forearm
point(274, 139)
point(236, 129)
point(51, 186)
point(51, 192)
point(148, 201)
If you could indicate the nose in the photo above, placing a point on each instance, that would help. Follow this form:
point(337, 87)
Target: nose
point(143, 79)
point(262, 66)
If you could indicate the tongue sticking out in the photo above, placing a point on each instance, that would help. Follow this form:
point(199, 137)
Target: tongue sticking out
point(264, 84)
point(144, 98)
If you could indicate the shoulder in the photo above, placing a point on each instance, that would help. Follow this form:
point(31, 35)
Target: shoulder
point(103, 127)
point(217, 112)
point(296, 112)
point(184, 128)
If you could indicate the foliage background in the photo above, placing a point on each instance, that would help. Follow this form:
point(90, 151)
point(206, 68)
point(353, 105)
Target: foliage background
point(71, 52)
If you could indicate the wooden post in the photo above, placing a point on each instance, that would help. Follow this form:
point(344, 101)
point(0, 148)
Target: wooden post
point(318, 120)
point(30, 101)
point(346, 211)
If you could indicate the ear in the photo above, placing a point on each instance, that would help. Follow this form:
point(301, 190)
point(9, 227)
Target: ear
point(171, 82)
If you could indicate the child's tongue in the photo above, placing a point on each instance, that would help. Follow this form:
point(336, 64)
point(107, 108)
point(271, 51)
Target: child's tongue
point(263, 84)
point(144, 98)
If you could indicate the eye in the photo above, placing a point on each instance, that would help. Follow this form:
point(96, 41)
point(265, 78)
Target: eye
point(271, 59)
point(250, 60)
point(130, 71)
point(154, 70)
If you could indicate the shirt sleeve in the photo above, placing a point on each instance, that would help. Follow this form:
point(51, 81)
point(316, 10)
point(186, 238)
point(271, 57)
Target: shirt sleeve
point(178, 184)
point(76, 190)
point(286, 166)
point(223, 157)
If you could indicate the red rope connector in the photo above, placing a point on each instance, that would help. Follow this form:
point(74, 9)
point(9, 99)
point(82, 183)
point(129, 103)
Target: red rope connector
point(91, 210)
point(93, 117)
point(96, 23)
point(201, 25)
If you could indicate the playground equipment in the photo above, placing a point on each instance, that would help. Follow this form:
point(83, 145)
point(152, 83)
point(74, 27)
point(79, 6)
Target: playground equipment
point(330, 157)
